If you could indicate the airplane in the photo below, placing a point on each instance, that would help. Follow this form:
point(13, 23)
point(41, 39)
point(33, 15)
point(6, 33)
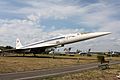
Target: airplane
point(49, 45)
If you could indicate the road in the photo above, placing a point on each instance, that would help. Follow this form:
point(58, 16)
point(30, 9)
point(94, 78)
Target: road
point(49, 72)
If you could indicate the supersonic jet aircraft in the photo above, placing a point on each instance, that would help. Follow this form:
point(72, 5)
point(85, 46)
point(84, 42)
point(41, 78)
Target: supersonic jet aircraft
point(48, 45)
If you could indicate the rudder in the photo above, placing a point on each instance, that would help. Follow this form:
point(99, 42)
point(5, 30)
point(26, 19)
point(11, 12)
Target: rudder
point(18, 44)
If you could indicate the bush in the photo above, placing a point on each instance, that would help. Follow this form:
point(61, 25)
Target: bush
point(108, 55)
point(89, 55)
point(100, 58)
point(115, 55)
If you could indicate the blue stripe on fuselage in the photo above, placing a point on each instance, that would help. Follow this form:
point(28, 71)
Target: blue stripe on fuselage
point(44, 41)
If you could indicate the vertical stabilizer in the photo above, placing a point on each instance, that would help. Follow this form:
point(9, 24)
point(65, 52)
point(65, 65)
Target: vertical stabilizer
point(18, 44)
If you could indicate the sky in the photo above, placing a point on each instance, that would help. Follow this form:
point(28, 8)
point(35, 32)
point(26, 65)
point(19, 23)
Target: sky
point(36, 20)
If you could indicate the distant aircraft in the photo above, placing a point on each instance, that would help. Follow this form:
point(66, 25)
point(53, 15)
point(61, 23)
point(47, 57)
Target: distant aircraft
point(48, 45)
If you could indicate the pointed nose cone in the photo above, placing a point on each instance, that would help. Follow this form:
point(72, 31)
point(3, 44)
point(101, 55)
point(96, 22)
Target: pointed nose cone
point(106, 33)
point(87, 36)
point(103, 33)
point(98, 34)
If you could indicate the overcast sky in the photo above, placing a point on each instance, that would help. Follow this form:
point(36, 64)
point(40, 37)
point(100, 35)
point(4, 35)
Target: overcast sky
point(35, 20)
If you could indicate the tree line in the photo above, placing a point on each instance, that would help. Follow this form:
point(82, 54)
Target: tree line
point(6, 47)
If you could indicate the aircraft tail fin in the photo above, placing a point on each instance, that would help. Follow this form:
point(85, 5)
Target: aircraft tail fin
point(18, 44)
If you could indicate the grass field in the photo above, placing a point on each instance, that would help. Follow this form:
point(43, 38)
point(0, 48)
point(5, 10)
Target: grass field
point(95, 74)
point(17, 63)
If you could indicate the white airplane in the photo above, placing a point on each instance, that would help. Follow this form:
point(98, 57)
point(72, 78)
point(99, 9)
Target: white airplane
point(48, 45)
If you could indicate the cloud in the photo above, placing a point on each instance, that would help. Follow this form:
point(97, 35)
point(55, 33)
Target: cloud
point(25, 20)
point(27, 30)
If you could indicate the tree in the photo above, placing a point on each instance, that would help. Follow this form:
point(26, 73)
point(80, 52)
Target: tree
point(9, 47)
point(69, 49)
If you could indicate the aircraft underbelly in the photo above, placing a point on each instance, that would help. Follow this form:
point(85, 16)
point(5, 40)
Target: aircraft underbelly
point(37, 50)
